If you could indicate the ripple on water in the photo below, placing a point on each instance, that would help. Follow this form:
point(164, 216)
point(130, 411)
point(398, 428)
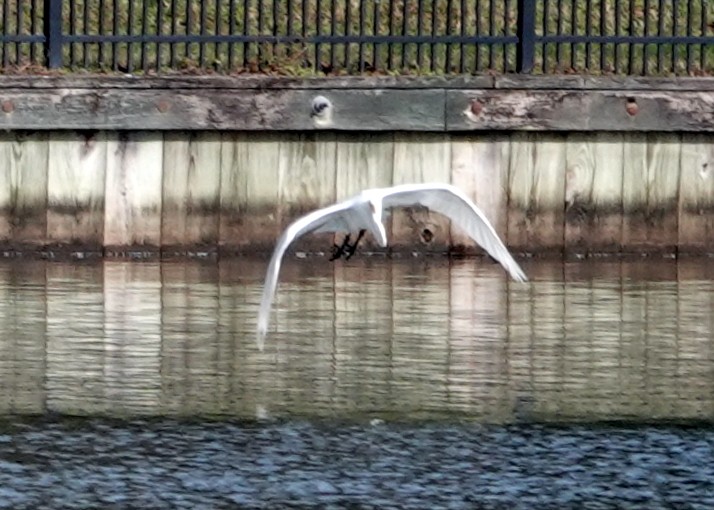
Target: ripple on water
point(195, 464)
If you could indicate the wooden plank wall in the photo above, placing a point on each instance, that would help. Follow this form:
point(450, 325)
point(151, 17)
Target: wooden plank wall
point(202, 192)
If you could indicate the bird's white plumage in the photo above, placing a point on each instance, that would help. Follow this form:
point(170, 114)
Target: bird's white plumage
point(364, 211)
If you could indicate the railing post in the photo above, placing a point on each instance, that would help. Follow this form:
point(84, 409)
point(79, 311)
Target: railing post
point(525, 50)
point(53, 33)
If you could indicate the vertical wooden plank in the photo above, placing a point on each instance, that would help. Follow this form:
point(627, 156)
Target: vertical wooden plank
point(650, 190)
point(363, 161)
point(634, 192)
point(479, 167)
point(7, 187)
point(665, 150)
point(696, 194)
point(75, 189)
point(593, 192)
point(250, 188)
point(132, 214)
point(420, 158)
point(307, 181)
point(536, 193)
point(23, 190)
point(191, 187)
point(132, 336)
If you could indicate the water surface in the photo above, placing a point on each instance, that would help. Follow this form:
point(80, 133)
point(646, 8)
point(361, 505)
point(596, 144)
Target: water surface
point(391, 339)
point(420, 382)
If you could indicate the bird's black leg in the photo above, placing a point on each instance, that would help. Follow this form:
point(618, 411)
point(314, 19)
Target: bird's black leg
point(350, 250)
point(339, 250)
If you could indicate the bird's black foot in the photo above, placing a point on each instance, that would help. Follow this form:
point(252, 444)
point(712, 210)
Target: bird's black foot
point(339, 250)
point(350, 250)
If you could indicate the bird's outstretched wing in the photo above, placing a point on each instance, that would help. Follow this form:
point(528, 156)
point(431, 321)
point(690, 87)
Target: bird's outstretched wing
point(340, 217)
point(458, 207)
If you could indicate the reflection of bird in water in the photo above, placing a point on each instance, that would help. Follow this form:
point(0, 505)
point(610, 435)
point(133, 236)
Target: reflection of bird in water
point(363, 213)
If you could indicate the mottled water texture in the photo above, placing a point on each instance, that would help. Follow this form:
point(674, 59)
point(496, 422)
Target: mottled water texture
point(298, 465)
point(420, 383)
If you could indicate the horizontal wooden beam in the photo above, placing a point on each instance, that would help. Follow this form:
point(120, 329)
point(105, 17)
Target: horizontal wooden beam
point(435, 104)
point(188, 109)
point(267, 82)
point(579, 110)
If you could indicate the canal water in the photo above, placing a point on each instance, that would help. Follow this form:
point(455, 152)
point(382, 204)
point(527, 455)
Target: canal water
point(422, 382)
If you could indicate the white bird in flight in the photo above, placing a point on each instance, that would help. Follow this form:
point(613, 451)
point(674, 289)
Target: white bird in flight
point(363, 212)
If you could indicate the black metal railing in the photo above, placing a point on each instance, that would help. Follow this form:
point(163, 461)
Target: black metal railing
point(358, 36)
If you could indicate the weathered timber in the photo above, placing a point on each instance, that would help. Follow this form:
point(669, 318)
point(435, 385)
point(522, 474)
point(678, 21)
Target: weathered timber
point(364, 161)
point(75, 189)
point(650, 193)
point(536, 192)
point(191, 187)
point(593, 193)
point(307, 181)
point(245, 82)
point(250, 109)
point(132, 209)
point(480, 168)
point(584, 82)
point(582, 193)
point(578, 110)
point(276, 82)
point(250, 191)
point(420, 158)
point(361, 103)
point(23, 190)
point(696, 194)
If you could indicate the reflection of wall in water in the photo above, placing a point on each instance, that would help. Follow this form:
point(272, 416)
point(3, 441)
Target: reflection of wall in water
point(372, 337)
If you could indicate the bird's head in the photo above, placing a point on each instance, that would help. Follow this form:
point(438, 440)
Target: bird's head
point(375, 206)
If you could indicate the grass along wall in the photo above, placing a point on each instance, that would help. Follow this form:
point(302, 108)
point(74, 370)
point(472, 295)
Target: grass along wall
point(234, 191)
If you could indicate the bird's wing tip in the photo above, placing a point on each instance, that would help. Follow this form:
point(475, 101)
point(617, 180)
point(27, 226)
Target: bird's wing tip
point(519, 276)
